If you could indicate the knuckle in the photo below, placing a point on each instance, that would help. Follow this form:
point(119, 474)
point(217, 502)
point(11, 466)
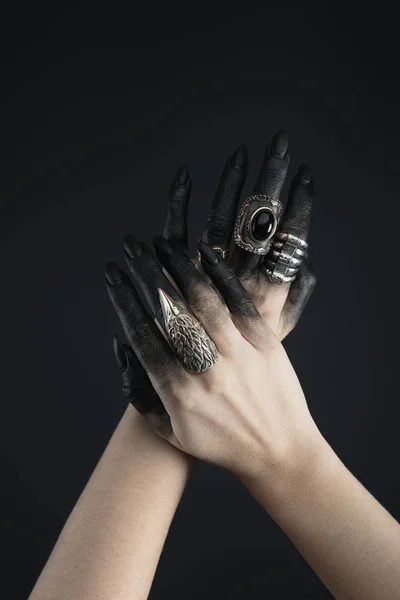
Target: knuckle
point(139, 332)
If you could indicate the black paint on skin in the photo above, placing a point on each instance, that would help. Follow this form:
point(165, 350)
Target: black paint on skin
point(189, 280)
point(172, 253)
point(299, 294)
point(175, 227)
point(140, 329)
point(270, 182)
point(148, 276)
point(234, 294)
point(221, 218)
point(296, 219)
point(136, 385)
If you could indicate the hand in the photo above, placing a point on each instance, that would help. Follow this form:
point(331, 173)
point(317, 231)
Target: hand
point(246, 413)
point(279, 305)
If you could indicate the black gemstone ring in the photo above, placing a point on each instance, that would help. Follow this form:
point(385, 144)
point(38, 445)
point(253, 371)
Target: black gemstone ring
point(256, 223)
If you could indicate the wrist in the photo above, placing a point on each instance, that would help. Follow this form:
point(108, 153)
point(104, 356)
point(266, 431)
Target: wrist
point(297, 468)
point(148, 447)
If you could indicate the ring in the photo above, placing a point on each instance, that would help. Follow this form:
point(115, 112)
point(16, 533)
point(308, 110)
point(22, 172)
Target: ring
point(223, 253)
point(256, 223)
point(187, 336)
point(285, 258)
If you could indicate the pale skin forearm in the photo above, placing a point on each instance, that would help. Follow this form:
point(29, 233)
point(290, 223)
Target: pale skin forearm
point(346, 536)
point(111, 543)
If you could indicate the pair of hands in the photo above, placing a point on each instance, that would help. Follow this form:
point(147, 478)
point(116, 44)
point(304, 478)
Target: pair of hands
point(248, 412)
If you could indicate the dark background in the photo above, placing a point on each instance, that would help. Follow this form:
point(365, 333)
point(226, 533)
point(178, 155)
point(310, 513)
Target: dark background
point(101, 104)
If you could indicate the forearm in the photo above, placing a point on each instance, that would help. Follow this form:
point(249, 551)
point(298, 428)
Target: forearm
point(110, 545)
point(347, 537)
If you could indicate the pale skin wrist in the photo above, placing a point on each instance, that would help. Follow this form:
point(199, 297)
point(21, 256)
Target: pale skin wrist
point(290, 468)
point(348, 538)
point(151, 447)
point(111, 543)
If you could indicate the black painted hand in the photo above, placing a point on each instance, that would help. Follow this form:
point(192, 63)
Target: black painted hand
point(279, 305)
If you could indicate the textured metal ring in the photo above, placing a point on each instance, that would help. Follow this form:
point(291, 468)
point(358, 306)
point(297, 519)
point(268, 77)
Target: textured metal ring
point(278, 276)
point(256, 223)
point(187, 336)
point(288, 270)
point(299, 252)
point(292, 239)
point(285, 258)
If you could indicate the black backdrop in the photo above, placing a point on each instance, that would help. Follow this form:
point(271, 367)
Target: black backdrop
point(101, 104)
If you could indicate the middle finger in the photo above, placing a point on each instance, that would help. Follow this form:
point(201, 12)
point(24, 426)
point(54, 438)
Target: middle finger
point(270, 182)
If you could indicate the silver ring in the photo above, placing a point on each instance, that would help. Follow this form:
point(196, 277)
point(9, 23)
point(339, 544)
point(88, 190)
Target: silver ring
point(256, 223)
point(275, 276)
point(286, 256)
point(287, 259)
point(289, 271)
point(187, 336)
point(298, 251)
point(291, 239)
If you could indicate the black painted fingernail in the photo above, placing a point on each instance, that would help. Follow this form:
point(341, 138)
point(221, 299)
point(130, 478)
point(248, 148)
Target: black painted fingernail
point(239, 157)
point(280, 144)
point(162, 245)
point(119, 353)
point(114, 274)
point(182, 175)
point(208, 255)
point(133, 246)
point(304, 173)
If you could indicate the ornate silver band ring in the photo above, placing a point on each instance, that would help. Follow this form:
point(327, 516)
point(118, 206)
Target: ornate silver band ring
point(285, 258)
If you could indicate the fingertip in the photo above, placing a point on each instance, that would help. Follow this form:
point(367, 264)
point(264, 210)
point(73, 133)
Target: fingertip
point(113, 273)
point(240, 156)
point(304, 172)
point(182, 175)
point(280, 144)
point(208, 255)
point(133, 246)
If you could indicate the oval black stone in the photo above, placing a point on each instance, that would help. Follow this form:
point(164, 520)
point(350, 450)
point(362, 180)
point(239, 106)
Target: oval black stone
point(262, 225)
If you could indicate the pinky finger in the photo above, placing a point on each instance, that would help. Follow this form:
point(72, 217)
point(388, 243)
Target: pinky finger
point(138, 390)
point(299, 294)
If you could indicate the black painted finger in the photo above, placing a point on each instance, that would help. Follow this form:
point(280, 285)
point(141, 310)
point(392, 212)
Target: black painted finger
point(296, 219)
point(273, 171)
point(141, 331)
point(203, 300)
point(148, 276)
point(299, 295)
point(236, 297)
point(175, 227)
point(270, 182)
point(221, 218)
point(136, 385)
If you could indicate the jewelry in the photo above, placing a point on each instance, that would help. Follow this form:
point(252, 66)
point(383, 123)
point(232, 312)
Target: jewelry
point(223, 253)
point(285, 258)
point(187, 336)
point(256, 223)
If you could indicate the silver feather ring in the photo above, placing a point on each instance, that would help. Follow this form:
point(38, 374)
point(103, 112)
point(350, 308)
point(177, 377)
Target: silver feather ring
point(187, 336)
